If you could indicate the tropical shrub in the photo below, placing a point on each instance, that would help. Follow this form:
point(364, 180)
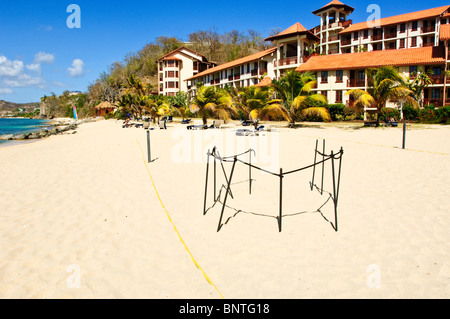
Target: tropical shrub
point(336, 110)
point(388, 113)
point(410, 113)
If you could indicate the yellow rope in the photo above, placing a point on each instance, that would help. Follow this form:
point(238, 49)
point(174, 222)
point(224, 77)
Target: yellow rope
point(175, 228)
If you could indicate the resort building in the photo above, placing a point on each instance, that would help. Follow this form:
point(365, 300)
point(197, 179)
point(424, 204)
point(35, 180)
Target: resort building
point(294, 46)
point(410, 42)
point(337, 51)
point(247, 71)
point(178, 65)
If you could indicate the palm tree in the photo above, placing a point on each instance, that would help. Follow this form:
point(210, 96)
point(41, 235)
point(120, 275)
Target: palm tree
point(294, 94)
point(250, 100)
point(418, 82)
point(157, 106)
point(211, 101)
point(387, 85)
point(180, 104)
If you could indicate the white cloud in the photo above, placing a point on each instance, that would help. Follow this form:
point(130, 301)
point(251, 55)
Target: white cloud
point(43, 57)
point(13, 74)
point(77, 68)
point(59, 84)
point(36, 67)
point(5, 91)
point(10, 68)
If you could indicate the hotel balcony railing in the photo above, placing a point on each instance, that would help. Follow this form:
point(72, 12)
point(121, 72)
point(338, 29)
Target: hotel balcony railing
point(377, 37)
point(431, 28)
point(230, 78)
point(333, 38)
point(428, 44)
point(237, 76)
point(356, 83)
point(254, 72)
point(435, 102)
point(346, 42)
point(287, 61)
point(262, 71)
point(390, 35)
point(437, 79)
point(338, 24)
point(333, 51)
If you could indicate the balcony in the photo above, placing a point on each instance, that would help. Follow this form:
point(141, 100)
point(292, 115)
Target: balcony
point(237, 76)
point(429, 29)
point(437, 79)
point(230, 78)
point(333, 38)
point(346, 42)
point(377, 37)
point(262, 71)
point(390, 35)
point(287, 61)
point(333, 51)
point(428, 44)
point(435, 102)
point(355, 83)
point(254, 72)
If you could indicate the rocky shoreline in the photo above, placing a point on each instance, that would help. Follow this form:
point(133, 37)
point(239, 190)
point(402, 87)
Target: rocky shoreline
point(55, 128)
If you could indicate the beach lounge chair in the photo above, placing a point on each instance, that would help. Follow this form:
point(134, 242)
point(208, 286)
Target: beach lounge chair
point(198, 125)
point(247, 123)
point(170, 119)
point(187, 121)
point(247, 132)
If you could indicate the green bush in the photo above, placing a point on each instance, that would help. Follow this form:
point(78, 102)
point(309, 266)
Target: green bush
point(442, 115)
point(336, 110)
point(388, 113)
point(410, 113)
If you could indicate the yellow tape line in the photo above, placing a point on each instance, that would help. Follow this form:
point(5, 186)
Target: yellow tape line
point(175, 228)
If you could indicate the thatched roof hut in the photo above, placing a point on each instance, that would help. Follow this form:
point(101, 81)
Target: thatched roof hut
point(104, 108)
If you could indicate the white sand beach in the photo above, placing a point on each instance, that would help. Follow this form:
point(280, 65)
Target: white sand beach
point(80, 217)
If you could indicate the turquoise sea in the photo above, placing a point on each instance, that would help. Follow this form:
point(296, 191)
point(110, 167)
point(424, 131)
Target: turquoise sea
point(20, 126)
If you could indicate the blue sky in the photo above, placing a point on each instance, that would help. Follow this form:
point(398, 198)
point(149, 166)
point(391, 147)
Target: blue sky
point(39, 54)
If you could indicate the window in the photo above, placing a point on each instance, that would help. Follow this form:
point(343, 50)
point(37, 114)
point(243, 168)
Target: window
point(361, 75)
point(366, 34)
point(339, 76)
point(414, 26)
point(324, 76)
point(436, 94)
point(242, 69)
point(338, 96)
point(355, 36)
point(413, 70)
point(324, 93)
point(437, 71)
point(402, 44)
point(226, 73)
point(402, 28)
point(413, 42)
point(248, 68)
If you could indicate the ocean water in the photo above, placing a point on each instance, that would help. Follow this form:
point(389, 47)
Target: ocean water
point(21, 126)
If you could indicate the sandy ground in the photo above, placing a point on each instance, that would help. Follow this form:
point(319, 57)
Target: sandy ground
point(80, 217)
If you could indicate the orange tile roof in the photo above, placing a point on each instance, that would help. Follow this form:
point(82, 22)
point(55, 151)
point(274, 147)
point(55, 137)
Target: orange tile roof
point(178, 50)
point(419, 15)
point(374, 59)
point(296, 29)
point(235, 63)
point(334, 3)
point(444, 33)
point(267, 81)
